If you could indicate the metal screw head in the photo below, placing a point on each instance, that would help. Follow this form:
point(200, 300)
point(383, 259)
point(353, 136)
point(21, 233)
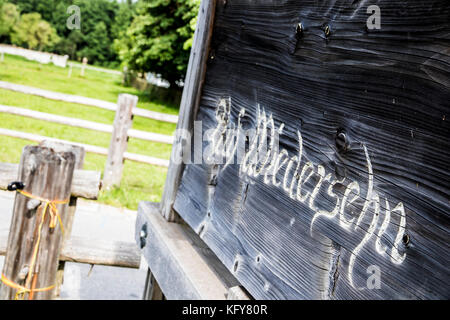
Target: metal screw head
point(33, 204)
point(341, 141)
point(406, 239)
point(299, 30)
point(23, 273)
point(16, 185)
point(327, 31)
point(143, 236)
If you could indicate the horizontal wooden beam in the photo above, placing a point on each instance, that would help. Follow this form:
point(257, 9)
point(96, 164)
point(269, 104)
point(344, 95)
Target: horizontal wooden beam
point(93, 251)
point(86, 184)
point(85, 101)
point(183, 266)
point(87, 147)
point(85, 124)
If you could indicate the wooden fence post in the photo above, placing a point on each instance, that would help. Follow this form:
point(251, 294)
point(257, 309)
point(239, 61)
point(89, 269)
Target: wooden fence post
point(79, 162)
point(119, 140)
point(48, 175)
point(83, 66)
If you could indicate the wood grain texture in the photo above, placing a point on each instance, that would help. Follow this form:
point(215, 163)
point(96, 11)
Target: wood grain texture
point(237, 293)
point(101, 252)
point(189, 105)
point(181, 263)
point(86, 184)
point(123, 121)
point(46, 174)
point(79, 153)
point(93, 251)
point(372, 107)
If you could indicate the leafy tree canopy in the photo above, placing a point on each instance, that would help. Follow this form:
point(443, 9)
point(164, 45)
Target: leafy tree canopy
point(33, 32)
point(160, 37)
point(9, 16)
point(147, 35)
point(102, 21)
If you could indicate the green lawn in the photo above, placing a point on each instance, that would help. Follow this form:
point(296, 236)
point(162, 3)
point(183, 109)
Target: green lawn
point(94, 84)
point(140, 181)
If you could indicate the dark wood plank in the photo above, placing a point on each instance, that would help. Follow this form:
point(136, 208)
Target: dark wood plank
point(372, 108)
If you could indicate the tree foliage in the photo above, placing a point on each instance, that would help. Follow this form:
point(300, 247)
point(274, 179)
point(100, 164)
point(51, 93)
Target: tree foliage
point(102, 21)
point(160, 37)
point(146, 35)
point(33, 32)
point(9, 16)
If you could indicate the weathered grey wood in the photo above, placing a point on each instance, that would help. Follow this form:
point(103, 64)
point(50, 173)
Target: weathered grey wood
point(371, 107)
point(189, 104)
point(119, 141)
point(79, 162)
point(152, 291)
point(181, 263)
point(237, 293)
point(87, 147)
point(93, 251)
point(100, 252)
point(85, 101)
point(46, 174)
point(86, 184)
point(85, 124)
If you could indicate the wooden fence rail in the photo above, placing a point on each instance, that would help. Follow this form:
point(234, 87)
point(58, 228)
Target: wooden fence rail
point(86, 101)
point(76, 249)
point(85, 124)
point(88, 148)
point(120, 131)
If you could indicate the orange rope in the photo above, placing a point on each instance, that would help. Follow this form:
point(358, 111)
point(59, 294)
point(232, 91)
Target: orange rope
point(54, 216)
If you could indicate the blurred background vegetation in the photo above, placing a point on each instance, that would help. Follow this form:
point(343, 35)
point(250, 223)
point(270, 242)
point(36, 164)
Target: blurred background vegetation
point(145, 36)
point(142, 37)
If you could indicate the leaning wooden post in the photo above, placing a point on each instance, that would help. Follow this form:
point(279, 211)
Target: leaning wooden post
point(119, 140)
point(47, 176)
point(79, 162)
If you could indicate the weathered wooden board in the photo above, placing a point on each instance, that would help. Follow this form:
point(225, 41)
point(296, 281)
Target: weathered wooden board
point(366, 111)
point(184, 267)
point(86, 184)
point(93, 251)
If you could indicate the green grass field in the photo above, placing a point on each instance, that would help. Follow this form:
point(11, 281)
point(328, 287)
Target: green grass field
point(140, 181)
